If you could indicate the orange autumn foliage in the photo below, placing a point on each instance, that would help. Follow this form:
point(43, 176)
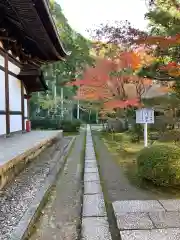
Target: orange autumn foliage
point(160, 41)
point(172, 68)
point(113, 81)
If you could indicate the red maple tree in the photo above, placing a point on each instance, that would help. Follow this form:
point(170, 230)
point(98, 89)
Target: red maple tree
point(114, 81)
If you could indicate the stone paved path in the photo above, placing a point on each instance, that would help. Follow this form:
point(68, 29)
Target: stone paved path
point(94, 217)
point(150, 219)
point(61, 216)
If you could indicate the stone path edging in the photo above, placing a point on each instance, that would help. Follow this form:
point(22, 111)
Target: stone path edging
point(94, 216)
point(22, 229)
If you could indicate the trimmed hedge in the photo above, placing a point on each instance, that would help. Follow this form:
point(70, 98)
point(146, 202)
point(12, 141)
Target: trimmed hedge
point(160, 164)
point(55, 124)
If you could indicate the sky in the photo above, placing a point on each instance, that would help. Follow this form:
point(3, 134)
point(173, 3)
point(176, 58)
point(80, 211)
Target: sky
point(86, 14)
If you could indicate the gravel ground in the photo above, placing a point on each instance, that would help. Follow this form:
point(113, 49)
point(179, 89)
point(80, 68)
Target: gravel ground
point(116, 183)
point(15, 199)
point(60, 217)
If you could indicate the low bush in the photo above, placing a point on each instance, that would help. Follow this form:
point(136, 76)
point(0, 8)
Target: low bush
point(56, 124)
point(160, 164)
point(70, 126)
point(135, 138)
point(45, 124)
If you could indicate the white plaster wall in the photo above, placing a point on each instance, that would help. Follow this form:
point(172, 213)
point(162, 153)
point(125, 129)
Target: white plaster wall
point(25, 108)
point(2, 124)
point(2, 90)
point(13, 68)
point(1, 61)
point(14, 94)
point(15, 123)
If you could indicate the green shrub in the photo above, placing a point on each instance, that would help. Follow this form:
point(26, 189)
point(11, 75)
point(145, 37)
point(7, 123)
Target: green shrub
point(56, 124)
point(135, 138)
point(70, 126)
point(45, 124)
point(160, 164)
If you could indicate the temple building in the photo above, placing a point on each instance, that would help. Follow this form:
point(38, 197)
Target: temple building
point(28, 39)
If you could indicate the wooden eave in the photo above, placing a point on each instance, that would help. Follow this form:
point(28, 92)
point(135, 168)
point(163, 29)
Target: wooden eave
point(28, 30)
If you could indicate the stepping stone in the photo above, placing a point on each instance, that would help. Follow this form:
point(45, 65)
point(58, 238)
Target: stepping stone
point(90, 159)
point(91, 177)
point(92, 188)
point(171, 205)
point(136, 206)
point(95, 229)
point(94, 206)
point(129, 221)
point(90, 164)
point(155, 234)
point(165, 219)
point(90, 156)
point(91, 170)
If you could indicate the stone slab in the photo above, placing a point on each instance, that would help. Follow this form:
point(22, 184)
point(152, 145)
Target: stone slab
point(155, 234)
point(165, 219)
point(92, 187)
point(91, 177)
point(91, 170)
point(129, 221)
point(171, 205)
point(94, 206)
point(22, 143)
point(137, 206)
point(90, 164)
point(93, 158)
point(89, 156)
point(95, 229)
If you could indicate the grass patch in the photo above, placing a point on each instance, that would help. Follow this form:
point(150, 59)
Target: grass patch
point(125, 153)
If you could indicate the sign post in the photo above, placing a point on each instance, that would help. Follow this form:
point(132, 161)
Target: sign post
point(145, 116)
point(145, 134)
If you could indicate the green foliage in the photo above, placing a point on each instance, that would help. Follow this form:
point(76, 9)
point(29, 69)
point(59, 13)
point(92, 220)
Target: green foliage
point(164, 20)
point(58, 73)
point(160, 164)
point(56, 124)
point(70, 126)
point(45, 124)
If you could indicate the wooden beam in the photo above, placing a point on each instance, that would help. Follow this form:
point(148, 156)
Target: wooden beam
point(7, 94)
point(22, 105)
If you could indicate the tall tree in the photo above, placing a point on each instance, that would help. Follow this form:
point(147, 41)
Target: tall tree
point(57, 74)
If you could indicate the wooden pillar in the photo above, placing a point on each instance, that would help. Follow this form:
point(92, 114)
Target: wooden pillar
point(7, 94)
point(22, 105)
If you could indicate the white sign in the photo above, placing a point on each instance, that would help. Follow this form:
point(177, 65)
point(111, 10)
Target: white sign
point(145, 115)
